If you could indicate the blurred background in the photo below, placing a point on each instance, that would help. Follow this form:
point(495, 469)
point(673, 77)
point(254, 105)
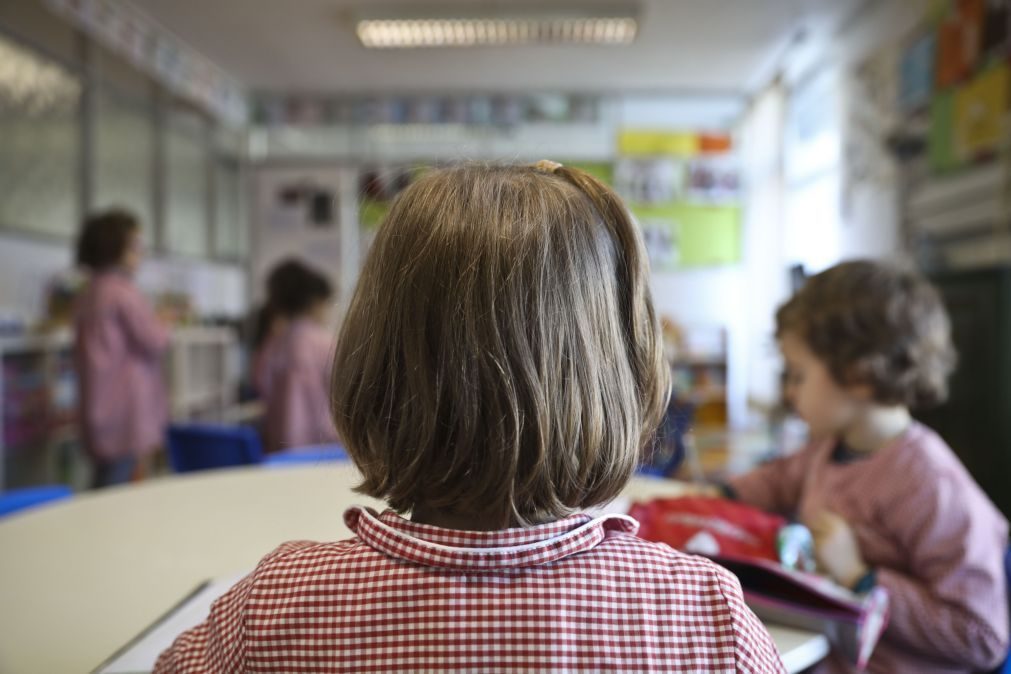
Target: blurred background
point(755, 142)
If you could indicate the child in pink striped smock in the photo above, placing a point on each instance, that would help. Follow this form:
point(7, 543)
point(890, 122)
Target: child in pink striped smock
point(119, 345)
point(292, 369)
point(500, 368)
point(886, 498)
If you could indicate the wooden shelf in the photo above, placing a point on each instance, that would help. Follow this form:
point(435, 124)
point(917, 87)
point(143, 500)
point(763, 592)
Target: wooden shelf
point(201, 368)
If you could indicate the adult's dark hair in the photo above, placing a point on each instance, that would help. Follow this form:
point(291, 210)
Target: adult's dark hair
point(104, 239)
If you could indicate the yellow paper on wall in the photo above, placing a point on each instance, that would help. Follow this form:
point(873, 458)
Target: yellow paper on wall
point(643, 143)
point(980, 110)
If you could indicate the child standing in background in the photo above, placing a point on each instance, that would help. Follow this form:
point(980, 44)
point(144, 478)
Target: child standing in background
point(267, 322)
point(292, 369)
point(888, 502)
point(500, 368)
point(119, 344)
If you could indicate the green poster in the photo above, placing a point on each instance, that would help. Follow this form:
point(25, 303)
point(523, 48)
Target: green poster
point(680, 235)
point(940, 142)
point(602, 171)
point(372, 212)
point(710, 235)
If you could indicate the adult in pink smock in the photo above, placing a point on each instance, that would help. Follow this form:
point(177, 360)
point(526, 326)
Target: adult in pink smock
point(119, 345)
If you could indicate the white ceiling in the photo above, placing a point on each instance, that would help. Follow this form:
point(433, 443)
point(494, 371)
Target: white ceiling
point(723, 47)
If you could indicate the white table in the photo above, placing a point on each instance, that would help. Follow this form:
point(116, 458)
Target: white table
point(81, 578)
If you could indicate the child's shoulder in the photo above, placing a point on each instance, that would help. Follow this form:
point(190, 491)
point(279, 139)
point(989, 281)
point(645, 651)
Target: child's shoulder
point(922, 452)
point(303, 558)
point(662, 560)
point(930, 471)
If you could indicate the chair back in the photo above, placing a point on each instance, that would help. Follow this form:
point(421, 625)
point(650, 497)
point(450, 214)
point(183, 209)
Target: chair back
point(204, 446)
point(299, 456)
point(16, 500)
point(669, 448)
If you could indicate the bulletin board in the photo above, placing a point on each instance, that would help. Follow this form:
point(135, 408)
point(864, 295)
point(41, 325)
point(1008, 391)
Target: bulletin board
point(684, 190)
point(378, 187)
point(956, 72)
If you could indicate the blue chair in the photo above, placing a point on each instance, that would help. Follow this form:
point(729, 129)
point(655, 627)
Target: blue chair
point(204, 446)
point(302, 455)
point(29, 497)
point(669, 450)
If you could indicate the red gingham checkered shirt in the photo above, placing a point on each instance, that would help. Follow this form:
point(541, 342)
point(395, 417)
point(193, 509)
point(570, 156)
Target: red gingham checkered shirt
point(579, 594)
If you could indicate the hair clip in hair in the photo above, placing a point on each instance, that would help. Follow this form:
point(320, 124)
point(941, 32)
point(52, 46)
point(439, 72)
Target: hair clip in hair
point(547, 166)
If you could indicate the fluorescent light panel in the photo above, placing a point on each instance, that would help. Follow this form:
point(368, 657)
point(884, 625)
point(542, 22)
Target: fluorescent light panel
point(382, 33)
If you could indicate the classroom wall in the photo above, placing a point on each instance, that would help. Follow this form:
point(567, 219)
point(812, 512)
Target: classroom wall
point(215, 289)
point(88, 154)
point(286, 230)
point(848, 82)
point(839, 204)
point(27, 266)
point(764, 270)
point(704, 298)
point(699, 296)
point(819, 185)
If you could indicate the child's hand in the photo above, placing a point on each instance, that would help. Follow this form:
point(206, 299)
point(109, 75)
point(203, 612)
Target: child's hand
point(836, 548)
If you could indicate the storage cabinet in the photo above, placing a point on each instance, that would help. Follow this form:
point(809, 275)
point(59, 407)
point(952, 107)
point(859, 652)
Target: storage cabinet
point(39, 439)
point(976, 419)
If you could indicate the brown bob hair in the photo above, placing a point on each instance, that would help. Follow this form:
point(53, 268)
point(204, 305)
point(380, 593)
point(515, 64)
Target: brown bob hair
point(501, 356)
point(876, 324)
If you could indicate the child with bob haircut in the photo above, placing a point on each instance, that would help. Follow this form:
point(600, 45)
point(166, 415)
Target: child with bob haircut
point(888, 502)
point(500, 368)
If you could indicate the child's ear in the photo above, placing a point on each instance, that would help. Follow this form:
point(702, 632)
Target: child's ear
point(861, 391)
point(858, 383)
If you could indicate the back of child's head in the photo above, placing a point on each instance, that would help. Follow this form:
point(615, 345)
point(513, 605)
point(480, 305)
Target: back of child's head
point(294, 289)
point(876, 324)
point(501, 357)
point(104, 239)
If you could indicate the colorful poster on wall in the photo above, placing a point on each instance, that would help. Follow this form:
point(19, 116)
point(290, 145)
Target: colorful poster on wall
point(683, 189)
point(602, 171)
point(916, 76)
point(710, 235)
point(650, 180)
point(959, 38)
point(301, 202)
point(661, 232)
point(940, 146)
point(981, 108)
point(712, 179)
point(377, 189)
point(653, 186)
point(683, 235)
point(645, 143)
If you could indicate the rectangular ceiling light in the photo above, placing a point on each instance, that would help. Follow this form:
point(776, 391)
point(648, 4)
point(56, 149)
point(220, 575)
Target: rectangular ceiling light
point(477, 27)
